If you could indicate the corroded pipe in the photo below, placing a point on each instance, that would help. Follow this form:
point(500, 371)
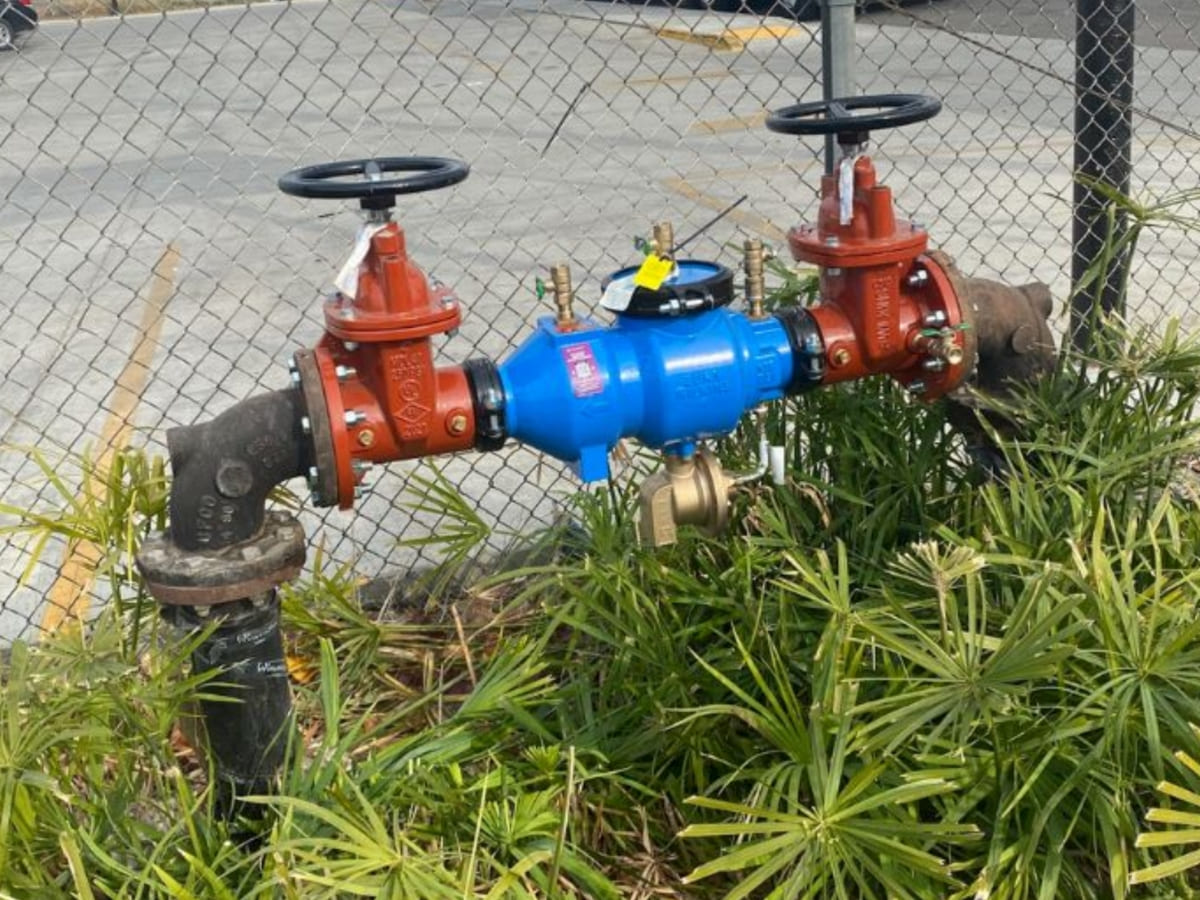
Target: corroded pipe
point(218, 567)
point(1014, 346)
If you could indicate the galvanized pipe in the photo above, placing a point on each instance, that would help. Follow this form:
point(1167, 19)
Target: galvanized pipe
point(837, 61)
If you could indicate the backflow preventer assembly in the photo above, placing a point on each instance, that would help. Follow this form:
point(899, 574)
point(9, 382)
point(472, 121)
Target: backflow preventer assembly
point(677, 367)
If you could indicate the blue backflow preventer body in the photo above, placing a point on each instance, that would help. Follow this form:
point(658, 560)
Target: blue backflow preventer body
point(666, 381)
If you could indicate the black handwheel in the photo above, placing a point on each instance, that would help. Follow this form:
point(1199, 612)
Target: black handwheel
point(325, 181)
point(836, 116)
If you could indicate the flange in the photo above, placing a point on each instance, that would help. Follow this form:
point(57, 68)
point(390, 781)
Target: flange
point(206, 577)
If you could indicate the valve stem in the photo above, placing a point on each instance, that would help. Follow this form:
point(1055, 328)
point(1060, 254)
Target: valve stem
point(753, 261)
point(560, 277)
point(664, 240)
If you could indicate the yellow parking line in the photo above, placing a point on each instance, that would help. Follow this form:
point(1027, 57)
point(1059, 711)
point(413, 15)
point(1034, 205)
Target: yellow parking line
point(762, 32)
point(730, 38)
point(734, 123)
point(680, 79)
point(749, 220)
point(70, 594)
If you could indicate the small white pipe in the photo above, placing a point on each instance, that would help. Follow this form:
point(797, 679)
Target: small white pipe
point(761, 469)
point(778, 459)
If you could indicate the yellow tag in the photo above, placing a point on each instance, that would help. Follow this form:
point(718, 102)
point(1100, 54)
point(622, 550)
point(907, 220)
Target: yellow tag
point(654, 271)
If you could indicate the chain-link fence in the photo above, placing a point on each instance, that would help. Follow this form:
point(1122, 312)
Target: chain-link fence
point(151, 274)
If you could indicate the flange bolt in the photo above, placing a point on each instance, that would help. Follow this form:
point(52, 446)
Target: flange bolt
point(935, 319)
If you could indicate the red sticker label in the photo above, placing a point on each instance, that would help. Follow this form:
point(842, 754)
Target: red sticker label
point(582, 370)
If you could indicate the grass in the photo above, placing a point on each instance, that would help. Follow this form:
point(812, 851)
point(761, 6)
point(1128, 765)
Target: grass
point(890, 679)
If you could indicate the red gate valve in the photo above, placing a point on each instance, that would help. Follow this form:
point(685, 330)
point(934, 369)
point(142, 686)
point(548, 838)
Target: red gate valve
point(885, 306)
point(371, 388)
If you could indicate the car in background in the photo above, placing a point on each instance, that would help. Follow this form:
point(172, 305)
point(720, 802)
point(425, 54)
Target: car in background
point(16, 17)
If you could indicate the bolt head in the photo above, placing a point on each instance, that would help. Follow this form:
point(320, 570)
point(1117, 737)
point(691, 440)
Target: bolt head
point(935, 319)
point(366, 438)
point(350, 346)
point(457, 424)
point(344, 373)
point(306, 424)
point(918, 278)
point(840, 356)
point(831, 241)
point(916, 387)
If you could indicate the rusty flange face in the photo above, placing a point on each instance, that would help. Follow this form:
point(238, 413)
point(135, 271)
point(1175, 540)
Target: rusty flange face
point(207, 577)
point(326, 491)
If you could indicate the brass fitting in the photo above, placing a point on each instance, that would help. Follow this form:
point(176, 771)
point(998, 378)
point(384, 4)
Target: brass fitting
point(564, 296)
point(949, 350)
point(692, 491)
point(664, 240)
point(753, 264)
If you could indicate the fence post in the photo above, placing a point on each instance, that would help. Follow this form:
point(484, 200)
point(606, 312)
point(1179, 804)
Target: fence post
point(837, 60)
point(1104, 54)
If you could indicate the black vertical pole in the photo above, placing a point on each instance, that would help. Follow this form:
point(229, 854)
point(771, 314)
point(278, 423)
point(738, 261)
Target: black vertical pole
point(1104, 53)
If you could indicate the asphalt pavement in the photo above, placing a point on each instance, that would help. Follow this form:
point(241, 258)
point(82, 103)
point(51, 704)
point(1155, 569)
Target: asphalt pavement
point(151, 274)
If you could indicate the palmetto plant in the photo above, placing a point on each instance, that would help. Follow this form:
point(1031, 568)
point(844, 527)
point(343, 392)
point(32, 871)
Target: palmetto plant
point(888, 680)
point(1185, 815)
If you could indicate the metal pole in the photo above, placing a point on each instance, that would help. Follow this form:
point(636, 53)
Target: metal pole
point(1104, 53)
point(837, 60)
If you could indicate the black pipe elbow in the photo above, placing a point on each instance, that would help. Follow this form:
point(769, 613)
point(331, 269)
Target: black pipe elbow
point(224, 469)
point(218, 567)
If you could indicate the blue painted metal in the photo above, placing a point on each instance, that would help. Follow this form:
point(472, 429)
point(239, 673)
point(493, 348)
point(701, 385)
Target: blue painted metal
point(668, 382)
